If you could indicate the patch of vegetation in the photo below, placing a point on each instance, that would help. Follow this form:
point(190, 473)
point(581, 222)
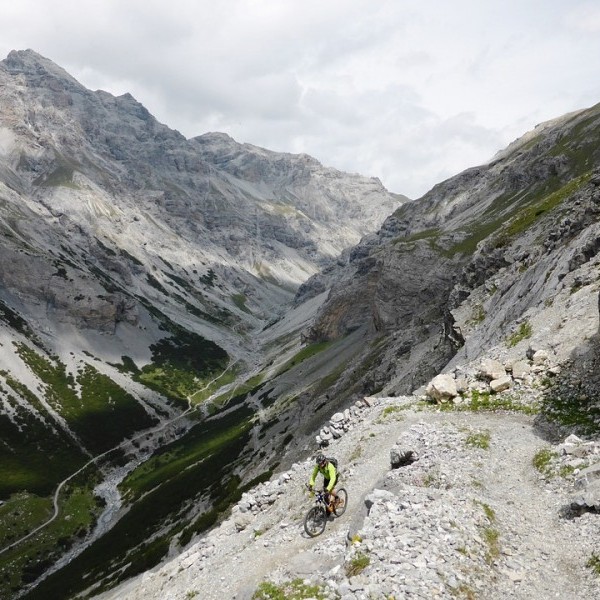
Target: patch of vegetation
point(226, 377)
point(578, 145)
point(464, 591)
point(593, 563)
point(356, 453)
point(566, 471)
point(99, 411)
point(526, 209)
point(130, 257)
point(358, 564)
point(478, 315)
point(421, 235)
point(25, 562)
point(127, 365)
point(296, 589)
point(37, 461)
point(62, 176)
point(394, 409)
point(108, 283)
point(60, 271)
point(202, 441)
point(479, 439)
point(182, 364)
point(543, 459)
point(302, 355)
point(523, 332)
point(366, 366)
point(157, 285)
point(485, 401)
point(13, 525)
point(106, 414)
point(490, 513)
point(129, 547)
point(240, 301)
point(324, 384)
point(543, 203)
point(209, 278)
point(263, 271)
point(573, 409)
point(490, 535)
point(105, 248)
point(433, 479)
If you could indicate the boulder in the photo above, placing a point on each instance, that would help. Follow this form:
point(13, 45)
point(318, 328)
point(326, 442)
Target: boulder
point(400, 457)
point(589, 497)
point(442, 388)
point(491, 369)
point(588, 476)
point(540, 357)
point(501, 384)
point(520, 369)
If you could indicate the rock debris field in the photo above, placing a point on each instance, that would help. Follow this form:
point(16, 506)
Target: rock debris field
point(482, 510)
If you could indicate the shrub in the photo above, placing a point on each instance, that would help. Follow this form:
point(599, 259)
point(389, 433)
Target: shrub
point(479, 440)
point(543, 459)
point(594, 563)
point(357, 565)
point(289, 590)
point(525, 330)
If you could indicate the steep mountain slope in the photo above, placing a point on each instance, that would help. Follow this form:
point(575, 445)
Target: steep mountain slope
point(136, 268)
point(471, 261)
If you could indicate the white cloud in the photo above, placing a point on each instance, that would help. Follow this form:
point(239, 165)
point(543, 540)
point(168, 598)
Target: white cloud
point(410, 92)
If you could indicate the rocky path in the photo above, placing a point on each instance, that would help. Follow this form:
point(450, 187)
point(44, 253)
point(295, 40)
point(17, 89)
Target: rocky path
point(471, 518)
point(544, 549)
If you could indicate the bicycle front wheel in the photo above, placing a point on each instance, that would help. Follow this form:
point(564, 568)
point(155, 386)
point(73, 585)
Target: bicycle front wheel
point(339, 506)
point(315, 521)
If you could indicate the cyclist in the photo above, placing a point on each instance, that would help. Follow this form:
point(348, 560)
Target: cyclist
point(330, 475)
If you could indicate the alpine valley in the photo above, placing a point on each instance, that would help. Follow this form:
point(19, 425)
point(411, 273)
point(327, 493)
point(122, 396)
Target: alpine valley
point(180, 317)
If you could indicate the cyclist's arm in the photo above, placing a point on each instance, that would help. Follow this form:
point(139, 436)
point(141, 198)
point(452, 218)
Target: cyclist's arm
point(313, 476)
point(332, 476)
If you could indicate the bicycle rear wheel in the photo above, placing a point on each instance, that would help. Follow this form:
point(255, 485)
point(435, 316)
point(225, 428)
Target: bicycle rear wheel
point(315, 521)
point(339, 507)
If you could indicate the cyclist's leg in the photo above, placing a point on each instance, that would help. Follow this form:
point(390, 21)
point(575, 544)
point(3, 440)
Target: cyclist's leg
point(332, 495)
point(327, 495)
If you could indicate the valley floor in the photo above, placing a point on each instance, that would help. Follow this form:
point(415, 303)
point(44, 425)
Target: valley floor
point(472, 518)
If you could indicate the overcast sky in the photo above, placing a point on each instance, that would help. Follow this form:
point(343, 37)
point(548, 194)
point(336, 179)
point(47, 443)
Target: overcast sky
point(410, 91)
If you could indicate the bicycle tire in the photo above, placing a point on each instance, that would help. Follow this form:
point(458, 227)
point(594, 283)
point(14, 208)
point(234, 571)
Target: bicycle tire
point(315, 521)
point(341, 503)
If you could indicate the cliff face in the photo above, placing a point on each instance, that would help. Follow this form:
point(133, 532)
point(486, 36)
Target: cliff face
point(465, 264)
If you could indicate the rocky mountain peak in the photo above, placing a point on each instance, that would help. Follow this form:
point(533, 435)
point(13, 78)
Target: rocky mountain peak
point(30, 63)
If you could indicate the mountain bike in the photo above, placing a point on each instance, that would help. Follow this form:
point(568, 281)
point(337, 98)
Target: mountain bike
point(316, 517)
